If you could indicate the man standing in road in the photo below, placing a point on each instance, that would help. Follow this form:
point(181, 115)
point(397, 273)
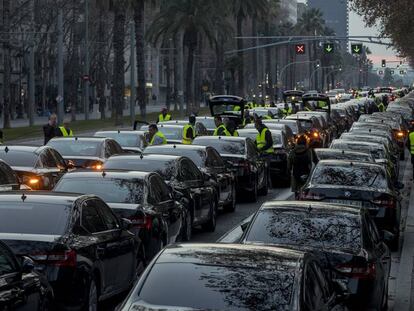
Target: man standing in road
point(221, 129)
point(65, 131)
point(155, 137)
point(301, 164)
point(264, 140)
point(50, 130)
point(189, 132)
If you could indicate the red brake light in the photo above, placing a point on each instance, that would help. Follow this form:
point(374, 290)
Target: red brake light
point(61, 259)
point(358, 272)
point(386, 203)
point(144, 222)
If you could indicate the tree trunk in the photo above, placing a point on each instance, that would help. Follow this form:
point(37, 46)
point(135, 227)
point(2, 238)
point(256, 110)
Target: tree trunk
point(255, 67)
point(189, 78)
point(101, 81)
point(167, 63)
point(139, 10)
point(119, 62)
point(6, 64)
point(175, 73)
point(240, 46)
point(315, 57)
point(218, 76)
point(268, 61)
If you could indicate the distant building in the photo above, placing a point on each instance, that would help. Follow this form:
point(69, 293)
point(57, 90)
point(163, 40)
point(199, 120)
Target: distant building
point(336, 15)
point(302, 7)
point(290, 10)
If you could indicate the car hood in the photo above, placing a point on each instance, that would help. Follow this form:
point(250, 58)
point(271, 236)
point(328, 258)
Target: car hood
point(143, 306)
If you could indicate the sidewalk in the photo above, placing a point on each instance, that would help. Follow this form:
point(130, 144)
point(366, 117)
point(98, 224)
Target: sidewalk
point(95, 115)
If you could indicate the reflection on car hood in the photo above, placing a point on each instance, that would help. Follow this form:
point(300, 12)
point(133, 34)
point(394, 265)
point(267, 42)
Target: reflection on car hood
point(143, 306)
point(362, 190)
point(127, 206)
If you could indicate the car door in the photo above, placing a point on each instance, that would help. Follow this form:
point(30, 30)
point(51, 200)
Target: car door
point(216, 167)
point(123, 245)
point(257, 162)
point(198, 187)
point(162, 201)
point(104, 247)
point(14, 295)
point(313, 296)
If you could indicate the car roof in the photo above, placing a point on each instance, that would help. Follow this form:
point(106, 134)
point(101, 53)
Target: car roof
point(353, 142)
point(220, 254)
point(120, 132)
point(119, 174)
point(347, 163)
point(31, 149)
point(40, 197)
point(227, 138)
point(82, 138)
point(178, 146)
point(150, 157)
point(309, 207)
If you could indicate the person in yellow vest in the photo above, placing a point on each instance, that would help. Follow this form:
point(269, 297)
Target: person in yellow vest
point(287, 111)
point(231, 127)
point(164, 115)
point(246, 118)
point(264, 140)
point(411, 142)
point(189, 132)
point(64, 130)
point(155, 137)
point(221, 129)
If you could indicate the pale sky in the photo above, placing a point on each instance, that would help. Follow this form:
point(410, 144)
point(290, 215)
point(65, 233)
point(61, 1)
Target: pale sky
point(357, 28)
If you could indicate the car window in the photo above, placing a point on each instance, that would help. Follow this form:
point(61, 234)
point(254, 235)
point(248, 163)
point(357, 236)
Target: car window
point(60, 162)
point(251, 149)
point(112, 148)
point(110, 220)
point(46, 160)
point(189, 171)
point(325, 286)
point(159, 192)
point(313, 291)
point(214, 159)
point(77, 147)
point(373, 231)
point(90, 219)
point(7, 263)
point(7, 176)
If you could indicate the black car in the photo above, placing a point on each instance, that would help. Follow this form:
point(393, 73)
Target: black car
point(345, 239)
point(85, 251)
point(209, 161)
point(40, 168)
point(21, 288)
point(130, 141)
point(278, 161)
point(233, 277)
point(8, 178)
point(338, 154)
point(86, 152)
point(363, 185)
point(314, 130)
point(294, 125)
point(143, 198)
point(183, 176)
point(242, 157)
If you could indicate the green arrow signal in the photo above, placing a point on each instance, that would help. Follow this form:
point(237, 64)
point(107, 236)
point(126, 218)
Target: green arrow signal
point(329, 48)
point(357, 49)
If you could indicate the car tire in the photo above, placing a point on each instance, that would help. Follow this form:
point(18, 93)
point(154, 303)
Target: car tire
point(92, 296)
point(402, 155)
point(210, 226)
point(265, 189)
point(187, 232)
point(231, 207)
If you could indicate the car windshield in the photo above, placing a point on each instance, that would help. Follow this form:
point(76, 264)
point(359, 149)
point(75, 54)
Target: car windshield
point(377, 153)
point(68, 148)
point(19, 158)
point(217, 287)
point(197, 156)
point(350, 175)
point(314, 229)
point(207, 122)
point(34, 218)
point(306, 124)
point(224, 146)
point(226, 109)
point(124, 139)
point(172, 133)
point(166, 168)
point(351, 156)
point(111, 190)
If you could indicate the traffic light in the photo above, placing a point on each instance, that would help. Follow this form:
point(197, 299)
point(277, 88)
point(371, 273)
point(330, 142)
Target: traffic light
point(402, 72)
point(356, 48)
point(328, 48)
point(383, 63)
point(381, 72)
point(392, 72)
point(300, 49)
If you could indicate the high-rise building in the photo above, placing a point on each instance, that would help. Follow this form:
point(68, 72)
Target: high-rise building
point(336, 15)
point(290, 11)
point(302, 7)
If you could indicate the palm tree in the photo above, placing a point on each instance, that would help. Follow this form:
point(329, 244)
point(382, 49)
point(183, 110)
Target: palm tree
point(243, 9)
point(6, 63)
point(191, 19)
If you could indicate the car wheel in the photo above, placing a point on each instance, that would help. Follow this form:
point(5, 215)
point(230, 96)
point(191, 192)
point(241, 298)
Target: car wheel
point(265, 189)
point(384, 306)
point(92, 301)
point(188, 227)
point(210, 226)
point(231, 207)
point(253, 194)
point(402, 155)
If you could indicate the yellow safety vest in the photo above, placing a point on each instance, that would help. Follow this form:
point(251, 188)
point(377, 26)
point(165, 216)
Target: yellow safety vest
point(321, 104)
point(236, 134)
point(411, 137)
point(287, 112)
point(261, 141)
point(65, 132)
point(236, 108)
point(381, 107)
point(161, 117)
point(186, 140)
point(161, 135)
point(226, 132)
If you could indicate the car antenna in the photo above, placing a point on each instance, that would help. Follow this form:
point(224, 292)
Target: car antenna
point(310, 208)
point(23, 197)
point(343, 151)
point(6, 150)
point(219, 137)
point(76, 138)
point(174, 146)
point(141, 156)
point(119, 131)
point(352, 164)
point(103, 174)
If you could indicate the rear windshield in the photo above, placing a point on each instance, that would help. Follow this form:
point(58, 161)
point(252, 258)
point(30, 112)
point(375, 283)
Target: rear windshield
point(166, 169)
point(19, 158)
point(34, 218)
point(69, 148)
point(319, 230)
point(208, 123)
point(124, 139)
point(226, 109)
point(215, 287)
point(172, 133)
point(306, 124)
point(224, 146)
point(377, 153)
point(321, 155)
point(277, 138)
point(354, 176)
point(111, 190)
point(197, 156)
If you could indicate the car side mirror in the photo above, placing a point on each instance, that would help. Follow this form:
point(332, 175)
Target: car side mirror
point(126, 224)
point(70, 164)
point(28, 265)
point(387, 236)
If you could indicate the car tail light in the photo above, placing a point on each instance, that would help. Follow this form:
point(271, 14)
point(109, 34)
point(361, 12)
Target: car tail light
point(144, 222)
point(358, 272)
point(315, 134)
point(400, 134)
point(61, 258)
point(34, 182)
point(310, 197)
point(387, 203)
point(95, 166)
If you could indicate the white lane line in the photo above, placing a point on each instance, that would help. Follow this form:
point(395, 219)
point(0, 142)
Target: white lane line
point(283, 195)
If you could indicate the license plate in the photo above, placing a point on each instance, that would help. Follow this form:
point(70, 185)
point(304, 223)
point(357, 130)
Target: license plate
point(347, 202)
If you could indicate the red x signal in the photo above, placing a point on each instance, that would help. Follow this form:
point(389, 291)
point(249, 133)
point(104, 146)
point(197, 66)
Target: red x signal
point(300, 49)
